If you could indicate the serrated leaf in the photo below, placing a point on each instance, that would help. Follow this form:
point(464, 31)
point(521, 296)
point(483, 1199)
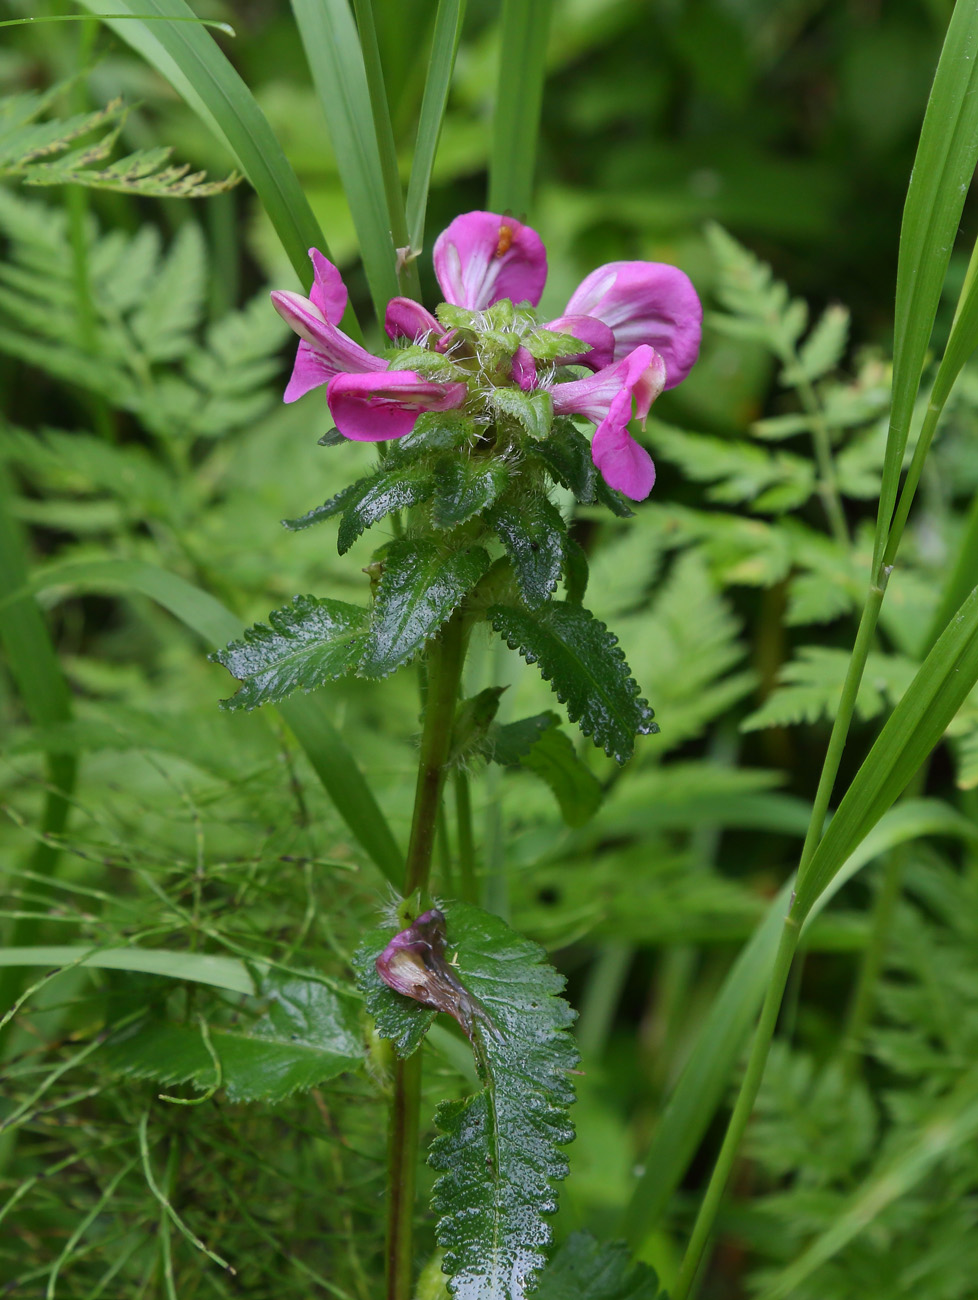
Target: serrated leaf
point(539, 745)
point(533, 533)
point(329, 509)
point(586, 1269)
point(419, 588)
point(576, 570)
point(465, 487)
point(498, 1154)
point(567, 456)
point(580, 658)
point(436, 431)
point(533, 411)
point(309, 642)
point(306, 1034)
point(394, 489)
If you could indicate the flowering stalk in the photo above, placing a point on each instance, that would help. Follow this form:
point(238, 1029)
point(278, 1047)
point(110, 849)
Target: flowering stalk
point(481, 405)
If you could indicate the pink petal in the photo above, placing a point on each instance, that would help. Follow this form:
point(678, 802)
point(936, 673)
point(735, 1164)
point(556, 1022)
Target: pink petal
point(622, 463)
point(374, 408)
point(524, 370)
point(589, 330)
point(407, 319)
point(328, 293)
point(645, 302)
point(482, 258)
point(309, 371)
point(336, 351)
point(613, 386)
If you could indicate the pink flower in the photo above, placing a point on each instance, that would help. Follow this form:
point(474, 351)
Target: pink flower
point(368, 402)
point(639, 322)
point(606, 397)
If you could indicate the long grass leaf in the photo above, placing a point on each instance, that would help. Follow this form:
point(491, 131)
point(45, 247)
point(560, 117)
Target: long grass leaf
point(441, 65)
point(33, 665)
point(220, 972)
point(519, 97)
point(329, 37)
point(942, 684)
point(307, 717)
point(703, 1084)
point(942, 172)
point(189, 58)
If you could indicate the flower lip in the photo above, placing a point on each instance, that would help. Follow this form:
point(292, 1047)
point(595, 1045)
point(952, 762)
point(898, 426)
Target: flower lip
point(482, 257)
point(375, 407)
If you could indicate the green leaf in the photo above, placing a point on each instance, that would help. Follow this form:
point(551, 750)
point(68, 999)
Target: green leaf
point(586, 1269)
point(305, 1035)
point(770, 481)
point(189, 58)
point(380, 496)
point(810, 687)
point(309, 642)
point(533, 533)
point(329, 37)
point(498, 1154)
point(581, 660)
point(197, 968)
point(539, 745)
point(942, 173)
point(519, 94)
point(329, 509)
point(567, 457)
point(942, 684)
point(419, 588)
point(823, 349)
point(465, 487)
point(576, 570)
point(441, 64)
point(533, 411)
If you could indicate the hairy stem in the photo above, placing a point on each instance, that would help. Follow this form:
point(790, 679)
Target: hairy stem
point(445, 658)
point(466, 840)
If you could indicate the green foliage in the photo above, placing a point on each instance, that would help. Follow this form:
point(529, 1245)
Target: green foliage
point(810, 688)
point(580, 658)
point(533, 533)
point(148, 355)
point(586, 1269)
point(39, 152)
point(538, 745)
point(309, 642)
point(498, 1154)
point(296, 1034)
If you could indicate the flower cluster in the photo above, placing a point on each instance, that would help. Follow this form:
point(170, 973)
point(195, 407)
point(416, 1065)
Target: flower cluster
point(634, 325)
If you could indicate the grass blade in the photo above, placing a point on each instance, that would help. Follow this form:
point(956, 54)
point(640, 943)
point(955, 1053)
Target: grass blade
point(942, 172)
point(519, 96)
point(943, 682)
point(307, 718)
point(441, 65)
point(703, 1084)
point(220, 972)
point(188, 57)
point(335, 60)
point(33, 665)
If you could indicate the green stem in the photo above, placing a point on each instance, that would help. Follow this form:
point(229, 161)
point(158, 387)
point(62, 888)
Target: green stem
point(466, 839)
point(742, 1110)
point(786, 951)
point(402, 1165)
point(828, 483)
point(407, 275)
point(445, 659)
